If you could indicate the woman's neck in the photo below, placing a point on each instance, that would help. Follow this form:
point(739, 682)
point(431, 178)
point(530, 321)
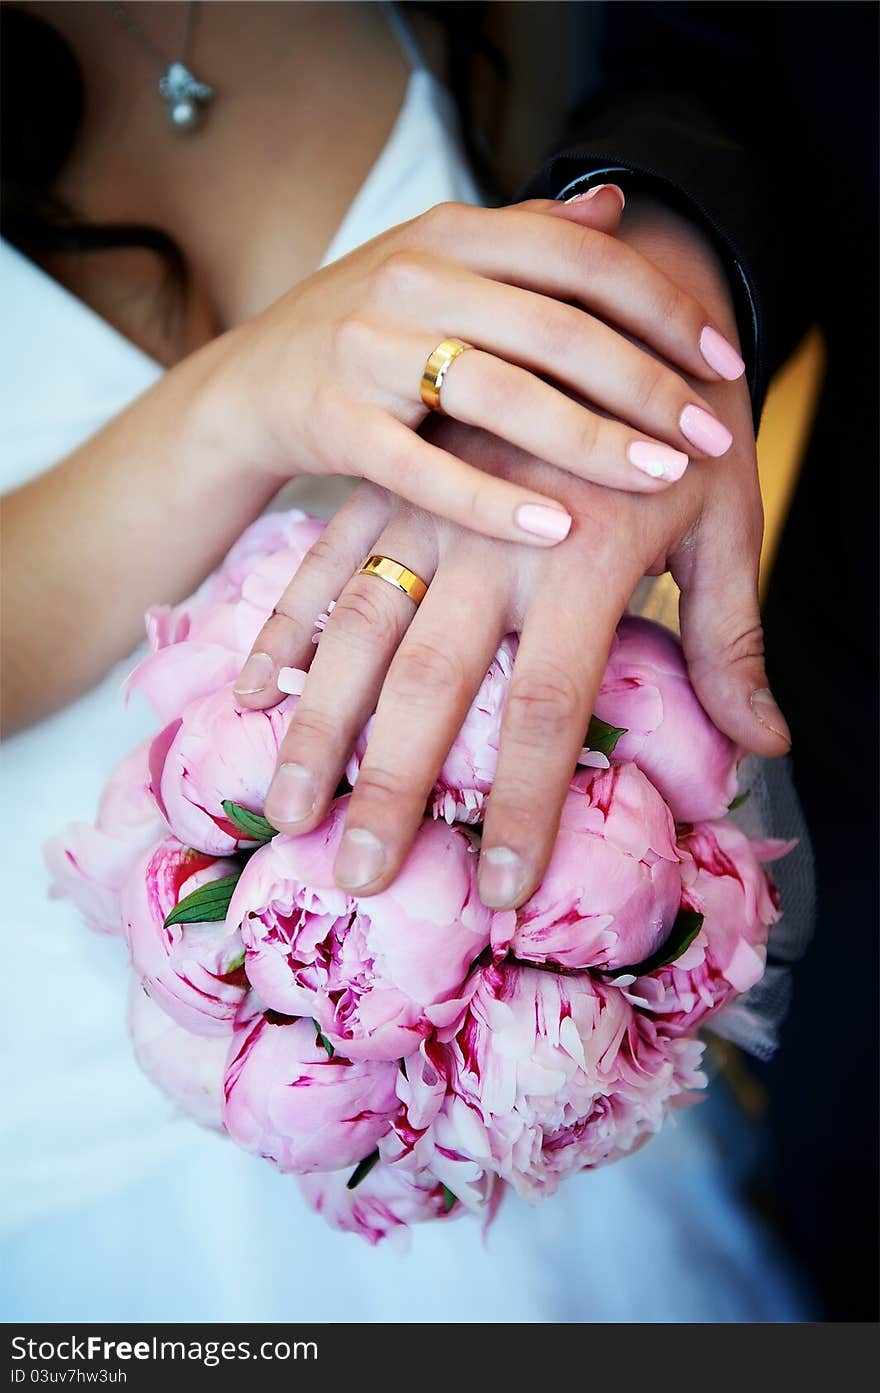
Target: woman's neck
point(306, 95)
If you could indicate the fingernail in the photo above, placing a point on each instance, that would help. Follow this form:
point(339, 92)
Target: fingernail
point(256, 674)
point(291, 796)
point(591, 193)
point(705, 431)
point(721, 355)
point(550, 523)
point(768, 714)
point(500, 876)
point(359, 860)
point(657, 461)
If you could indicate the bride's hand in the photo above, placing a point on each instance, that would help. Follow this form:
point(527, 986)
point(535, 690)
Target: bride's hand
point(326, 381)
point(424, 666)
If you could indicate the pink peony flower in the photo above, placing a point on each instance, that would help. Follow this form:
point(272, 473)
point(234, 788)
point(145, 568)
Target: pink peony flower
point(88, 864)
point(276, 542)
point(201, 644)
point(376, 973)
point(189, 1068)
point(611, 892)
point(465, 781)
point(723, 879)
point(386, 1203)
point(647, 691)
point(220, 751)
point(193, 971)
point(285, 1099)
point(547, 1074)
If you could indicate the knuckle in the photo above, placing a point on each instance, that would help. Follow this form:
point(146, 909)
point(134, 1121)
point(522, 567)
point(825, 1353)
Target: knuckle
point(402, 276)
point(592, 251)
point(587, 434)
point(651, 389)
point(354, 339)
point(323, 556)
point(425, 671)
point(542, 708)
point(310, 726)
point(671, 304)
point(361, 615)
point(377, 784)
point(558, 333)
point(440, 220)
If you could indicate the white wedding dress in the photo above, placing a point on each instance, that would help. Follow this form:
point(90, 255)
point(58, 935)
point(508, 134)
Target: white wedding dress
point(114, 1207)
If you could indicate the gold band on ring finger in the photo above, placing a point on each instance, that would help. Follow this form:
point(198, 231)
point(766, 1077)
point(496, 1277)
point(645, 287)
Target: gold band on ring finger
point(396, 574)
point(436, 368)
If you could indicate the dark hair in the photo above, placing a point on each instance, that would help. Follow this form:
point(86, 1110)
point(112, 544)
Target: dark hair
point(37, 136)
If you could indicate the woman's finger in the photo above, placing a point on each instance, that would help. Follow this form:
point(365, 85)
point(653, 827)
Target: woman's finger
point(562, 655)
point(515, 405)
point(370, 442)
point(430, 685)
point(556, 257)
point(286, 639)
point(560, 342)
point(368, 622)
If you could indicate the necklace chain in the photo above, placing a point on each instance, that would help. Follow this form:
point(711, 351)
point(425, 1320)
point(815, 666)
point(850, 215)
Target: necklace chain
point(132, 28)
point(183, 94)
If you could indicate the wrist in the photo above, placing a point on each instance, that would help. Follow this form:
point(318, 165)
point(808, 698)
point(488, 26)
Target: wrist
point(220, 417)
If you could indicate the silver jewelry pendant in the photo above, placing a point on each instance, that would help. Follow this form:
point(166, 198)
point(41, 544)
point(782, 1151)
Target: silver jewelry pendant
point(184, 96)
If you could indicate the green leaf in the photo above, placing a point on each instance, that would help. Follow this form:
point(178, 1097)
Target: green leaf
point(205, 905)
point(361, 1171)
point(688, 923)
point(252, 825)
point(739, 800)
point(449, 1199)
point(235, 963)
point(323, 1039)
point(603, 737)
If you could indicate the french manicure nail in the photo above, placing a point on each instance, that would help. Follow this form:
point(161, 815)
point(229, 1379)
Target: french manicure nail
point(292, 794)
point(721, 356)
point(539, 521)
point(500, 877)
point(705, 431)
point(360, 858)
point(591, 193)
point(256, 674)
point(768, 714)
point(656, 460)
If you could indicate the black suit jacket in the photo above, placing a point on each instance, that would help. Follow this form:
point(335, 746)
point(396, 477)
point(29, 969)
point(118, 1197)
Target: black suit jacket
point(760, 121)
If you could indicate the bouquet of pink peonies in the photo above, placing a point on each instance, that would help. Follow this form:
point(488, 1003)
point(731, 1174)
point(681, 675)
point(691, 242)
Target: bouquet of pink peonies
point(412, 1054)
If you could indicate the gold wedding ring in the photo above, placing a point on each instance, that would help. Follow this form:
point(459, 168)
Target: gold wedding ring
point(437, 367)
point(401, 577)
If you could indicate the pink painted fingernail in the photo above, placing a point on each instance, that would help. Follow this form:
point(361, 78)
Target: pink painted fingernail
point(551, 523)
point(721, 356)
point(656, 460)
point(359, 860)
point(500, 876)
point(705, 431)
point(256, 674)
point(591, 193)
point(291, 796)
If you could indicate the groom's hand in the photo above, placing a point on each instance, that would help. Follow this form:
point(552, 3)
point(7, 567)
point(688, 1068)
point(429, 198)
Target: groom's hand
point(565, 603)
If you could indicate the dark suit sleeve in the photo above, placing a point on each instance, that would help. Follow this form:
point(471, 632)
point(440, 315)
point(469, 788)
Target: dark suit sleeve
point(692, 106)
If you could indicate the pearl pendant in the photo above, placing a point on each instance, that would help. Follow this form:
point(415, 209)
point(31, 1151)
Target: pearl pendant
point(184, 96)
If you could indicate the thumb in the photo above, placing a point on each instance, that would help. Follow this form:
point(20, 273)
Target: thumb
point(723, 644)
point(599, 208)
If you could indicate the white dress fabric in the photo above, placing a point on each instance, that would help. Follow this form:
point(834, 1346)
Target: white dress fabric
point(116, 1208)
